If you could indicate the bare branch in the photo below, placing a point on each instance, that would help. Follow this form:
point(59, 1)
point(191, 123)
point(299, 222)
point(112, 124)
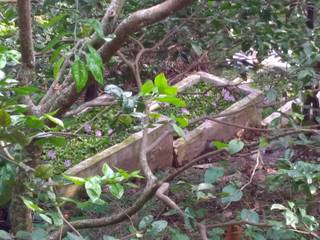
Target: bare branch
point(103, 100)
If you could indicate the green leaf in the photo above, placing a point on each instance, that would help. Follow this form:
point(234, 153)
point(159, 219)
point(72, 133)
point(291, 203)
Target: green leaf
point(5, 235)
point(5, 119)
point(179, 130)
point(145, 222)
point(57, 220)
point(34, 122)
point(172, 100)
point(116, 190)
point(157, 227)
point(46, 218)
point(3, 61)
point(79, 74)
point(232, 194)
point(95, 65)
point(39, 234)
point(32, 206)
point(177, 235)
point(212, 175)
point(183, 122)
point(57, 121)
point(220, 145)
point(249, 215)
point(26, 90)
point(56, 141)
point(263, 142)
point(97, 26)
point(57, 67)
point(93, 188)
point(107, 171)
point(235, 146)
point(76, 180)
point(291, 218)
point(161, 83)
point(146, 88)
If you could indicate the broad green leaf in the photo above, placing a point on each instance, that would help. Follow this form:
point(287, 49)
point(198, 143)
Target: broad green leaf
point(57, 121)
point(107, 171)
point(220, 145)
point(232, 194)
point(263, 142)
point(177, 235)
point(57, 67)
point(157, 227)
point(76, 180)
point(161, 83)
point(32, 206)
point(57, 220)
point(212, 175)
point(34, 122)
point(46, 218)
point(249, 215)
point(183, 122)
point(147, 88)
point(95, 65)
point(39, 234)
point(116, 190)
point(145, 222)
point(56, 141)
point(93, 188)
point(291, 218)
point(5, 235)
point(172, 100)
point(26, 90)
point(79, 74)
point(5, 119)
point(235, 146)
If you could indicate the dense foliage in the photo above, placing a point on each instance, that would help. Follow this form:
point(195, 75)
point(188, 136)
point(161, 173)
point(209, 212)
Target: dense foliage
point(273, 199)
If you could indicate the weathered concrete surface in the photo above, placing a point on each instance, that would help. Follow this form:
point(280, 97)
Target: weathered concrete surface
point(246, 114)
point(125, 155)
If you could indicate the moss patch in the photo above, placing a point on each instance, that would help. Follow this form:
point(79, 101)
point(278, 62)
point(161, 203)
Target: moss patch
point(95, 131)
point(202, 99)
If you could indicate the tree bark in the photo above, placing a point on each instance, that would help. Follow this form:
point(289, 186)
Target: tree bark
point(20, 215)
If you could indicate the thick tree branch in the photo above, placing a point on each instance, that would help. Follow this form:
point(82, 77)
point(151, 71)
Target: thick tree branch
point(139, 20)
point(108, 22)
